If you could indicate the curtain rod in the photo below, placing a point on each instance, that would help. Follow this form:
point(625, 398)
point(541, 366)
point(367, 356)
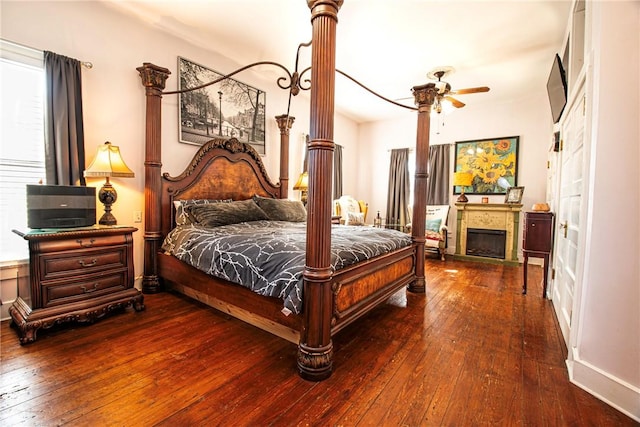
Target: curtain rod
point(411, 149)
point(86, 64)
point(401, 148)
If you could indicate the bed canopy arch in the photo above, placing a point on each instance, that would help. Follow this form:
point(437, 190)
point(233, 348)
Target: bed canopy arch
point(332, 300)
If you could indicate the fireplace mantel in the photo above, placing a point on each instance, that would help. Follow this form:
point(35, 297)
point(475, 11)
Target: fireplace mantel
point(488, 216)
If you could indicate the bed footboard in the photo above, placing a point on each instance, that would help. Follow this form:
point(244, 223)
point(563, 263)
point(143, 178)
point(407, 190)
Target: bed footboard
point(363, 286)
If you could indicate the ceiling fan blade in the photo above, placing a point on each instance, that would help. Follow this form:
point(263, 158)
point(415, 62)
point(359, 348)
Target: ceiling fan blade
point(455, 102)
point(470, 90)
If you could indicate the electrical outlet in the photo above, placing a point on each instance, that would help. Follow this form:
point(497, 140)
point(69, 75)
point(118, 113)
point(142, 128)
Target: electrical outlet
point(137, 216)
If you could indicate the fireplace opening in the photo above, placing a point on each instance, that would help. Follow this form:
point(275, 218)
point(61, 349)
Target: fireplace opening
point(486, 243)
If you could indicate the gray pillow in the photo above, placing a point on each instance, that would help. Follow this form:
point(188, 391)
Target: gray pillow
point(282, 209)
point(218, 214)
point(182, 216)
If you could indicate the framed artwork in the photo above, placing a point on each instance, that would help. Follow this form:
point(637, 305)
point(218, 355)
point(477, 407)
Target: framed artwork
point(493, 164)
point(514, 195)
point(225, 109)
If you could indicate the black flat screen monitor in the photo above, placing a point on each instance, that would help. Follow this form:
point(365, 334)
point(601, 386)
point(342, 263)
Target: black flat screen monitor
point(557, 89)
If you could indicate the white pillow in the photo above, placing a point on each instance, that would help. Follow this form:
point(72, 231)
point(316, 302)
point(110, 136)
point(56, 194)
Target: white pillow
point(354, 218)
point(348, 204)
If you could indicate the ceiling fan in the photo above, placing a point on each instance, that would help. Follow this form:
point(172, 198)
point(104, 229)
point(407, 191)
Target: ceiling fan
point(445, 91)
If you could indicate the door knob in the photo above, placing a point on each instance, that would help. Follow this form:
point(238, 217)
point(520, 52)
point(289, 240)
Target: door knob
point(565, 226)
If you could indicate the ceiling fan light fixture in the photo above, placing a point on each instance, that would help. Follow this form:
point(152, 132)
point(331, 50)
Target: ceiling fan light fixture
point(446, 106)
point(437, 105)
point(441, 86)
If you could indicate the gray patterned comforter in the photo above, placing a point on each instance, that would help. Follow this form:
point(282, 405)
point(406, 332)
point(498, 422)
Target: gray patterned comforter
point(268, 257)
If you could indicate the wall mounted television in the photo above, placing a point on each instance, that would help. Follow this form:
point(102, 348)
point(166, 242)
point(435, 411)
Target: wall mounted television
point(557, 89)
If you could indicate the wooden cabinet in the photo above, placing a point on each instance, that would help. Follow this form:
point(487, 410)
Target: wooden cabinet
point(77, 274)
point(537, 242)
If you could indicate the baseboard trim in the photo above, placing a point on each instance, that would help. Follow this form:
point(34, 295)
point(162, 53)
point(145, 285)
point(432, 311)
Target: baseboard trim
point(613, 391)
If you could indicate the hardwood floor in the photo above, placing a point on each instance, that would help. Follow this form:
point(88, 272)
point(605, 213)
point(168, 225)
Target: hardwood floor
point(472, 351)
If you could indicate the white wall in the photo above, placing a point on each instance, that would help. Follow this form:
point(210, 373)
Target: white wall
point(607, 344)
point(114, 101)
point(528, 118)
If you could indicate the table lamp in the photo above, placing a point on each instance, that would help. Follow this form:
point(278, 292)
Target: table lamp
point(108, 163)
point(462, 179)
point(303, 185)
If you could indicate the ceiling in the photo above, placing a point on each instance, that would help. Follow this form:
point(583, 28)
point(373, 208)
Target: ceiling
point(387, 45)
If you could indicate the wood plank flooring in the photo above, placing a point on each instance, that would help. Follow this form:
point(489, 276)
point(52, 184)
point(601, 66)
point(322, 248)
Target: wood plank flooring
point(471, 352)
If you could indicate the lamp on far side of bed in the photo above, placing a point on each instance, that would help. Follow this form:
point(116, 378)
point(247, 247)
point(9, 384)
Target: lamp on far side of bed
point(462, 179)
point(303, 185)
point(108, 163)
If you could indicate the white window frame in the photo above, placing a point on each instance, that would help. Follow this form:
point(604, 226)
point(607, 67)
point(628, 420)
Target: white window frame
point(13, 210)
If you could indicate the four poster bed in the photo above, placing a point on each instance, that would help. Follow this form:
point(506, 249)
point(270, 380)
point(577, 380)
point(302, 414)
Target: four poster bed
point(327, 294)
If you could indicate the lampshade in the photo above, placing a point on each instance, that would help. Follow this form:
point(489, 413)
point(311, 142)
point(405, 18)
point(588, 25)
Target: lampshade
point(303, 182)
point(108, 163)
point(463, 179)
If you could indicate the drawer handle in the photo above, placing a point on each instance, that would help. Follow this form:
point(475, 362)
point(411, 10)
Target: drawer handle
point(86, 245)
point(87, 291)
point(88, 264)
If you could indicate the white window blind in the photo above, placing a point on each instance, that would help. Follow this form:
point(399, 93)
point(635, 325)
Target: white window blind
point(22, 141)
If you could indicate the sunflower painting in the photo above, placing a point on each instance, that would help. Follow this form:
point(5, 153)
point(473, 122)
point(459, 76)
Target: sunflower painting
point(488, 160)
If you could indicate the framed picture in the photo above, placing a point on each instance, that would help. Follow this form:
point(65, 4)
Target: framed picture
point(514, 195)
point(225, 109)
point(493, 164)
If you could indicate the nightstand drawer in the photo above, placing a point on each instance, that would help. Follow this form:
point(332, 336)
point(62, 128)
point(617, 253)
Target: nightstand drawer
point(74, 263)
point(81, 242)
point(65, 292)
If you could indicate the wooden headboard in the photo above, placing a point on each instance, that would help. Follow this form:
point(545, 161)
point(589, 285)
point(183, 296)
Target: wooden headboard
point(221, 169)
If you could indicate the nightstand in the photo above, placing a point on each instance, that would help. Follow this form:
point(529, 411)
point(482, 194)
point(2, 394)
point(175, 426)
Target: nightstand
point(76, 274)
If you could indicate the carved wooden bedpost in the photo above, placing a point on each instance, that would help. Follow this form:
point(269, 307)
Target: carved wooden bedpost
point(315, 351)
point(153, 79)
point(284, 123)
point(424, 97)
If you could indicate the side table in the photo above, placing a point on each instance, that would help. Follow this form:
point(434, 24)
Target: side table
point(537, 242)
point(76, 274)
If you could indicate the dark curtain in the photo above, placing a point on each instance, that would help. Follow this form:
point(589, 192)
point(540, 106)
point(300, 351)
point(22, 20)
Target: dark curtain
point(337, 172)
point(398, 193)
point(438, 182)
point(64, 131)
point(305, 162)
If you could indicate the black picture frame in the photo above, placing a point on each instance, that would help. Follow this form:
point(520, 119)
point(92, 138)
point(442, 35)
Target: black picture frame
point(228, 108)
point(487, 160)
point(514, 195)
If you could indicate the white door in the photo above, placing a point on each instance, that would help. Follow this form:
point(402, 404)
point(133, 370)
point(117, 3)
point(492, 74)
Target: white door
point(568, 227)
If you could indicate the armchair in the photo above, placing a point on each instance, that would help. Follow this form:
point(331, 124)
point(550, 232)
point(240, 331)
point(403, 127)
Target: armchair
point(436, 229)
point(351, 211)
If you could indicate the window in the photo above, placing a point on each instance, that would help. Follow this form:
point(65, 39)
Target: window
point(21, 141)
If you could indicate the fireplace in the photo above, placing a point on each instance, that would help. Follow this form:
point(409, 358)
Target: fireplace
point(486, 243)
point(488, 232)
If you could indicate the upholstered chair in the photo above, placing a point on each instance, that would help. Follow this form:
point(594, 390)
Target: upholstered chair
point(350, 210)
point(436, 229)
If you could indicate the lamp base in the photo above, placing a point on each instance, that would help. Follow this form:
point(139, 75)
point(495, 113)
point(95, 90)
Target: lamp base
point(303, 197)
point(107, 196)
point(108, 219)
point(462, 199)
